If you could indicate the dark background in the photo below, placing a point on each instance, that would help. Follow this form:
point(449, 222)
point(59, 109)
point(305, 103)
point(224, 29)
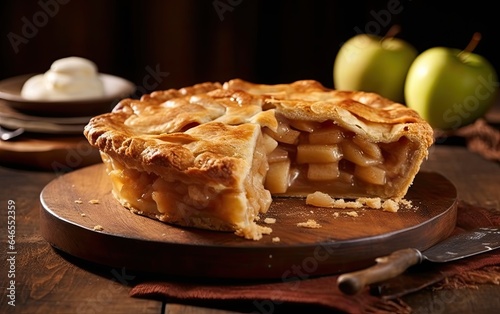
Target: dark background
point(216, 40)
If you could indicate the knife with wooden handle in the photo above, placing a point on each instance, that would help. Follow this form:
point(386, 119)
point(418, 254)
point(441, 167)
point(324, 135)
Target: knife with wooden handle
point(459, 246)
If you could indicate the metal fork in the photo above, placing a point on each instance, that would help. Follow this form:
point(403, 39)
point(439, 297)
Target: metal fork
point(6, 135)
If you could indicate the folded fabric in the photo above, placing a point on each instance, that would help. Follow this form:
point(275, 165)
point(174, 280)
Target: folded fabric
point(480, 137)
point(322, 293)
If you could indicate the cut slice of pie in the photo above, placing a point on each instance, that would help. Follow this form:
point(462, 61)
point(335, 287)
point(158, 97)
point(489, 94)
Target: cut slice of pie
point(212, 155)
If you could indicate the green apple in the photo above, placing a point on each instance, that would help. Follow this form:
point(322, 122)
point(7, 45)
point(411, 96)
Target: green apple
point(449, 87)
point(374, 64)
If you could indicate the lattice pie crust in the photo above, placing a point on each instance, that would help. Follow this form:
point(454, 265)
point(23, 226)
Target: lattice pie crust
point(213, 155)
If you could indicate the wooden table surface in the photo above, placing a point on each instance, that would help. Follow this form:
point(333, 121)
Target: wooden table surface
point(48, 281)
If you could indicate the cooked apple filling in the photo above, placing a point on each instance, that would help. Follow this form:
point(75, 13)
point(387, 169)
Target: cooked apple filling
point(312, 156)
point(175, 202)
point(197, 200)
point(210, 156)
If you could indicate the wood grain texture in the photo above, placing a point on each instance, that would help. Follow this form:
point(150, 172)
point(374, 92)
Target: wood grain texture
point(82, 283)
point(46, 280)
point(477, 180)
point(68, 220)
point(480, 299)
point(53, 153)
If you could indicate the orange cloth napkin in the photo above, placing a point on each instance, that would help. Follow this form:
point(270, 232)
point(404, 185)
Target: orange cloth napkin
point(322, 293)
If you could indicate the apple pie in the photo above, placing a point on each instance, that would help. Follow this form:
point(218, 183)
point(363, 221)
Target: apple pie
point(214, 155)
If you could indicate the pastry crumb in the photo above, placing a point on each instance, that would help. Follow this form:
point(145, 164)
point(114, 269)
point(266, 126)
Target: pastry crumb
point(320, 199)
point(390, 206)
point(253, 232)
point(336, 214)
point(371, 202)
point(270, 220)
point(310, 223)
point(352, 214)
point(275, 239)
point(78, 202)
point(94, 202)
point(83, 215)
point(406, 203)
point(98, 228)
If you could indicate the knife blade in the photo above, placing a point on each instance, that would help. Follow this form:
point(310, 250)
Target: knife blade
point(456, 247)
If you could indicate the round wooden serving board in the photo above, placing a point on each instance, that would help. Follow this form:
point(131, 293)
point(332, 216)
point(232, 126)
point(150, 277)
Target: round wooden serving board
point(69, 215)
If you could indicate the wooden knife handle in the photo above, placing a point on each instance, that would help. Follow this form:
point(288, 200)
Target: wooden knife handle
point(387, 267)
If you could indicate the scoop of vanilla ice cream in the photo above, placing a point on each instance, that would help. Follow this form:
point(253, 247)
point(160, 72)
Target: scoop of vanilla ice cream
point(71, 78)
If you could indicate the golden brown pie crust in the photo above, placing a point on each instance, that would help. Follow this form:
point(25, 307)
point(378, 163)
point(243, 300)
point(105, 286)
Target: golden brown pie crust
point(211, 135)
